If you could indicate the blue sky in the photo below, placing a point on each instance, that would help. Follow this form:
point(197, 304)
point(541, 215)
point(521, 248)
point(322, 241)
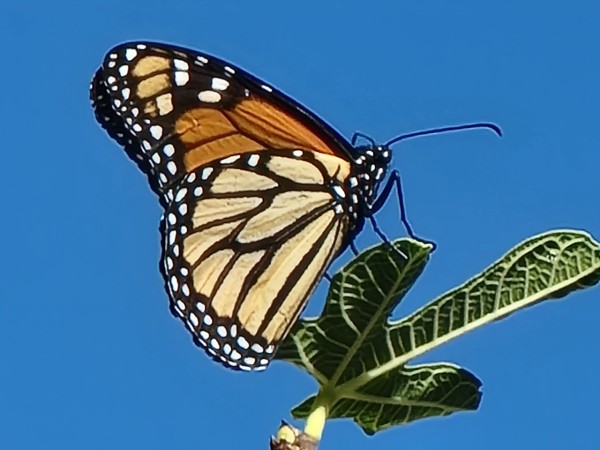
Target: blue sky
point(92, 358)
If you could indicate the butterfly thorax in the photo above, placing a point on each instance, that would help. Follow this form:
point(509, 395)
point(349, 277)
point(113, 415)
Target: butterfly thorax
point(370, 165)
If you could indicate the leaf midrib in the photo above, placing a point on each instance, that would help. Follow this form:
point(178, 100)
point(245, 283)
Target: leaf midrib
point(398, 401)
point(376, 317)
point(353, 384)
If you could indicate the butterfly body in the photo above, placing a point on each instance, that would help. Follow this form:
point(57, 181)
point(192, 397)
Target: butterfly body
point(260, 195)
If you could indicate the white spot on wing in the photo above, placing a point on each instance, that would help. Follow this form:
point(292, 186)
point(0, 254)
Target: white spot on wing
point(206, 172)
point(174, 283)
point(181, 78)
point(185, 290)
point(339, 191)
point(219, 84)
point(180, 194)
point(258, 348)
point(169, 150)
point(181, 65)
point(243, 343)
point(209, 97)
point(230, 159)
point(130, 54)
point(156, 131)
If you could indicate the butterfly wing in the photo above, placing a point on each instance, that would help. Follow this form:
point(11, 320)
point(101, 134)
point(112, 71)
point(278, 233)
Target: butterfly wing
point(253, 185)
point(246, 240)
point(175, 110)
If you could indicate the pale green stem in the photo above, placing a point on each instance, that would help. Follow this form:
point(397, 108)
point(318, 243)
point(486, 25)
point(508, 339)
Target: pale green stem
point(315, 422)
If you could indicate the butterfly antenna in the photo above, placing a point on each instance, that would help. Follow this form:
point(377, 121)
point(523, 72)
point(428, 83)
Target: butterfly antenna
point(366, 137)
point(490, 126)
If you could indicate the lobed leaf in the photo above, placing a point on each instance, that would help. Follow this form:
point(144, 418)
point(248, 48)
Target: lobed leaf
point(360, 358)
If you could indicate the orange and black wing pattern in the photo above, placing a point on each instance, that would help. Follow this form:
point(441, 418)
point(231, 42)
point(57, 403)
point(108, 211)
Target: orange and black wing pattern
point(259, 194)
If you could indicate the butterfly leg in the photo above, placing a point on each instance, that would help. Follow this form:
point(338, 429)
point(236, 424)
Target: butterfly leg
point(394, 181)
point(384, 238)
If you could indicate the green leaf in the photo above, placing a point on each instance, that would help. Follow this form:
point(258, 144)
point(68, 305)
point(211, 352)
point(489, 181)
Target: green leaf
point(360, 358)
point(403, 396)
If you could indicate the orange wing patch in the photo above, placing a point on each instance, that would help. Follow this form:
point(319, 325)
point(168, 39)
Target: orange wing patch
point(252, 125)
point(256, 117)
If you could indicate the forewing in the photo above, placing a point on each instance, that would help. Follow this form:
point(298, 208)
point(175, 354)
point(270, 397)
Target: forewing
point(175, 110)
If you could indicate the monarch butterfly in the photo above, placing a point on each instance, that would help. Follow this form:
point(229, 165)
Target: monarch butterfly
point(260, 195)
